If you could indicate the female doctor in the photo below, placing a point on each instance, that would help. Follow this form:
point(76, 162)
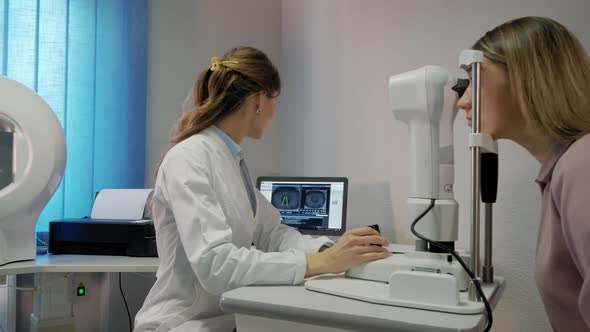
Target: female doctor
point(534, 91)
point(207, 213)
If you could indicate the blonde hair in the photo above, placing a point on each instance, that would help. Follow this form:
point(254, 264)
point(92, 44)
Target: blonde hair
point(549, 74)
point(224, 87)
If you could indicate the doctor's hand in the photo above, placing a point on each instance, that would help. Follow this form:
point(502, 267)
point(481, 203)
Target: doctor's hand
point(356, 246)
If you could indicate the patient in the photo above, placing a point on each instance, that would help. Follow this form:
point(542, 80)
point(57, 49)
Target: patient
point(534, 91)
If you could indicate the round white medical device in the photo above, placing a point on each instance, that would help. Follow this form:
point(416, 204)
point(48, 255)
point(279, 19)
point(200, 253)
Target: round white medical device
point(32, 162)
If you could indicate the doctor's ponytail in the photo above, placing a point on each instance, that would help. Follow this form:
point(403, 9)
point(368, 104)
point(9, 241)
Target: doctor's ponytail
point(223, 88)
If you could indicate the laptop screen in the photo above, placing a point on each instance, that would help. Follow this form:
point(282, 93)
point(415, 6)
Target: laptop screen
point(313, 205)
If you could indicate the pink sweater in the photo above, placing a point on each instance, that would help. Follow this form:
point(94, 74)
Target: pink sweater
point(563, 248)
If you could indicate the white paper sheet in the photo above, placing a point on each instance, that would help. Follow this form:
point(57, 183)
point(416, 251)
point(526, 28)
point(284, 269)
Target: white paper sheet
point(400, 248)
point(120, 204)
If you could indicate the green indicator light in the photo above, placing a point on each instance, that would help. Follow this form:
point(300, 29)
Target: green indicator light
point(81, 291)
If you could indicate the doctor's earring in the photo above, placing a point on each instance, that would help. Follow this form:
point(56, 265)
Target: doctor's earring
point(258, 111)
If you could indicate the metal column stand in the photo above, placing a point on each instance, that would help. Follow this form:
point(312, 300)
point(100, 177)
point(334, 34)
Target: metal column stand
point(471, 61)
point(484, 177)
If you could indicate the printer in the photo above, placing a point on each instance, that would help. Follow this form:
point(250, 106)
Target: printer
point(119, 225)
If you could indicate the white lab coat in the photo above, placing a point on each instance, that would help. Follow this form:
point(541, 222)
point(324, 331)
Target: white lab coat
point(205, 228)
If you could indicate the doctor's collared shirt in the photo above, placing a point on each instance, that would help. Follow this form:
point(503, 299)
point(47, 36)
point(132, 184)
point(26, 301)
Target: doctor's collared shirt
point(236, 151)
point(563, 247)
point(234, 148)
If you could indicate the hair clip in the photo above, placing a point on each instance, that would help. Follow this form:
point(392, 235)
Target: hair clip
point(215, 63)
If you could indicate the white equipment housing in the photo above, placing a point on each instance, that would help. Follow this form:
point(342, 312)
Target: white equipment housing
point(418, 261)
point(425, 101)
point(33, 149)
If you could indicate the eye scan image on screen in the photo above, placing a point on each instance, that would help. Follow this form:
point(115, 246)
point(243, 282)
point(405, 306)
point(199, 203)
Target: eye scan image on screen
point(307, 205)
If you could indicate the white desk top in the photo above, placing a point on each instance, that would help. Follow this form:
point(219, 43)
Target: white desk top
point(295, 303)
point(82, 263)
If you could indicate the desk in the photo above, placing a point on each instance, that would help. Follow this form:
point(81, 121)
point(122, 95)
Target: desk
point(82, 263)
point(52, 309)
point(294, 308)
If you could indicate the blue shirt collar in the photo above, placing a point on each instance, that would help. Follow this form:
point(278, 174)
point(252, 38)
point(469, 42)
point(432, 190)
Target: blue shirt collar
point(234, 148)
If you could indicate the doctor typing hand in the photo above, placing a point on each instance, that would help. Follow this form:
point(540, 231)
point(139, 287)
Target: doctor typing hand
point(356, 246)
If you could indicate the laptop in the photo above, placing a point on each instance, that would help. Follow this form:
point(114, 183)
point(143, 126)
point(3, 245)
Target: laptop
point(313, 205)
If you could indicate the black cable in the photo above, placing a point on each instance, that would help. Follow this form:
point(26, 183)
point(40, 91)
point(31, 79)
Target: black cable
point(459, 259)
point(126, 307)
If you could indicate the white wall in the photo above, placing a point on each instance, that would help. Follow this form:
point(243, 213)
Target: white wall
point(335, 117)
point(184, 35)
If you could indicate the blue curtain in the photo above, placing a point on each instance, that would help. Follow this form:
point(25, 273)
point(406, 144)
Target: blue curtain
point(88, 60)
